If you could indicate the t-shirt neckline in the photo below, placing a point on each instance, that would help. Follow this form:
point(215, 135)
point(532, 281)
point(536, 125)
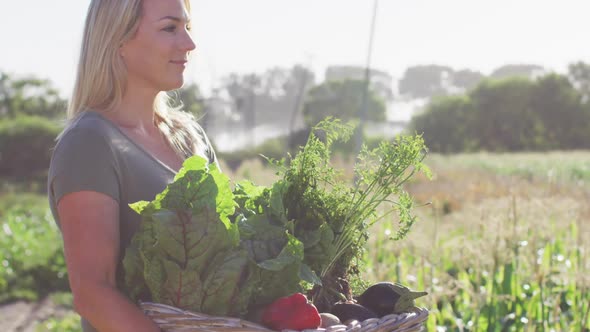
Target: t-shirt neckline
point(138, 146)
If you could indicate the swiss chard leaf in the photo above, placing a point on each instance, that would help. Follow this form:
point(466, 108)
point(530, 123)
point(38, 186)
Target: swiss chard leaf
point(307, 274)
point(249, 197)
point(189, 254)
point(292, 253)
point(180, 287)
point(182, 231)
point(229, 284)
point(276, 207)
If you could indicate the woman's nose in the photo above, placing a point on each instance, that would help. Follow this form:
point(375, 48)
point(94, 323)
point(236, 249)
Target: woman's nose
point(188, 44)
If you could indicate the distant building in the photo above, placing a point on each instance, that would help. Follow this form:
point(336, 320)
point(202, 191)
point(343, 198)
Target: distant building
point(381, 82)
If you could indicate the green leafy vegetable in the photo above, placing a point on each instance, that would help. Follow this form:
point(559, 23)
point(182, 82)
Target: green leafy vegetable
point(189, 254)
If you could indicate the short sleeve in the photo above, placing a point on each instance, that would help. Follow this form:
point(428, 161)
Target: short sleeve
point(83, 161)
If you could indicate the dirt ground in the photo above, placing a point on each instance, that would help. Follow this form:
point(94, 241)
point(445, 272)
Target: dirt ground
point(21, 316)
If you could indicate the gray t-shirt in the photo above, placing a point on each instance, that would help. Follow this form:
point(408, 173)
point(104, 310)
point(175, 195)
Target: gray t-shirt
point(94, 154)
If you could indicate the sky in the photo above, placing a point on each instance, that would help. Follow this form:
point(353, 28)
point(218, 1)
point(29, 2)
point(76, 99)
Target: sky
point(42, 37)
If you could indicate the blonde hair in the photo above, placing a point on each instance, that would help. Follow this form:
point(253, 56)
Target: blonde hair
point(101, 75)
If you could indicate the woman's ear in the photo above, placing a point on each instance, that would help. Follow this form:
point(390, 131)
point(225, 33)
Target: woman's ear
point(123, 49)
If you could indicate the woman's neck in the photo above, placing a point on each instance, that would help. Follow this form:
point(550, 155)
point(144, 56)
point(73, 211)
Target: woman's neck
point(136, 111)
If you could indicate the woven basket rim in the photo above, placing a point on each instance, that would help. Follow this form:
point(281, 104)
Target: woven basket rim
point(174, 319)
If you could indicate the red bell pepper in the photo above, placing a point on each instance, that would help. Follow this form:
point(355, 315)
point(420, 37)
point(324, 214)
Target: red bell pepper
point(292, 312)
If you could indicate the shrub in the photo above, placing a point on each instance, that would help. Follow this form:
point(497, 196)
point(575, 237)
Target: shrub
point(25, 145)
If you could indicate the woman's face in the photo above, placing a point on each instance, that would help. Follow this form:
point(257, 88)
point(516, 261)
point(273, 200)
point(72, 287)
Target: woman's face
point(157, 55)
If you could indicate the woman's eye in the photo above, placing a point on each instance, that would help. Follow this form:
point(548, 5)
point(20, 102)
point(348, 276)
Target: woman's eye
point(172, 28)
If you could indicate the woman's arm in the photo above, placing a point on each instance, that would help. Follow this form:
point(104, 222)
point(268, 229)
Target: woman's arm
point(90, 226)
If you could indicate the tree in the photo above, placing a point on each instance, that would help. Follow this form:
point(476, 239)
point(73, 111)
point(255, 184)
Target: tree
point(269, 97)
point(503, 119)
point(520, 70)
point(514, 114)
point(467, 79)
point(557, 103)
point(425, 81)
point(445, 124)
point(341, 99)
point(579, 75)
point(243, 90)
point(283, 90)
point(30, 96)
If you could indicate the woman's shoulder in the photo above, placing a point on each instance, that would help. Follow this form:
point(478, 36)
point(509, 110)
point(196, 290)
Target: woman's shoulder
point(86, 135)
point(87, 126)
point(83, 159)
point(91, 122)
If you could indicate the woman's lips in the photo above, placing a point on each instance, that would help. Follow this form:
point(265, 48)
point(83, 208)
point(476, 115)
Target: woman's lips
point(179, 62)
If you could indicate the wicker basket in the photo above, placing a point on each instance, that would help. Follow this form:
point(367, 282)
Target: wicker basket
point(171, 319)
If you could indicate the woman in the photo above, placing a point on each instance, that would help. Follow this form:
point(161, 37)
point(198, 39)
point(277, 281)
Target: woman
point(122, 144)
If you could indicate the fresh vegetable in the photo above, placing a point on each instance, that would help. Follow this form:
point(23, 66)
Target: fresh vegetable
point(329, 319)
point(386, 298)
point(348, 311)
point(188, 254)
point(293, 312)
point(331, 217)
point(206, 248)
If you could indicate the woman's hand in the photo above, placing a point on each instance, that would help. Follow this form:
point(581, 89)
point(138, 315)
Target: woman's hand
point(90, 226)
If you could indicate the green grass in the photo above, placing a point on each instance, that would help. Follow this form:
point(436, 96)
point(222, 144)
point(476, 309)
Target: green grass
point(23, 203)
point(32, 263)
point(68, 323)
point(555, 166)
point(511, 254)
point(519, 286)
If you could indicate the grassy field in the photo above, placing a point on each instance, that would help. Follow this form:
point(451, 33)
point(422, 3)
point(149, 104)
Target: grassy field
point(502, 246)
point(501, 243)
